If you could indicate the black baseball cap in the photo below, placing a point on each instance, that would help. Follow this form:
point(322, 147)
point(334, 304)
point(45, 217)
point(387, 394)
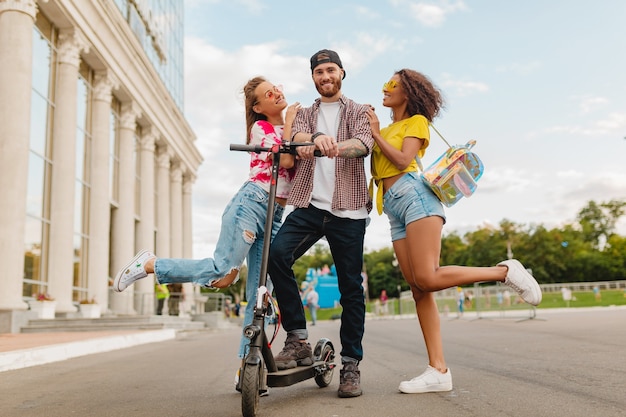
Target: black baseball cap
point(324, 56)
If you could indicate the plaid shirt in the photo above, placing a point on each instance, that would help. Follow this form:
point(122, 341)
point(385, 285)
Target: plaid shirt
point(350, 183)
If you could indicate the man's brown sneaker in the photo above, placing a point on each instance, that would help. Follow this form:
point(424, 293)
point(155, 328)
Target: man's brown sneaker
point(295, 353)
point(349, 381)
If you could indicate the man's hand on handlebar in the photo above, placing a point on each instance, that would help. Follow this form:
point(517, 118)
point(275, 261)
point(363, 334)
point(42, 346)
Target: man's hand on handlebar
point(326, 145)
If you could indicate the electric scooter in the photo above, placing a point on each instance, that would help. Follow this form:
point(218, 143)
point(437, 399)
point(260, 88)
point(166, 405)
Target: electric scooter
point(259, 369)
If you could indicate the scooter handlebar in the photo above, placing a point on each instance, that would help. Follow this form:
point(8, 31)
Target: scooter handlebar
point(248, 148)
point(285, 147)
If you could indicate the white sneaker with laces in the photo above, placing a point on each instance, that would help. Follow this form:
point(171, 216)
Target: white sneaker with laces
point(133, 271)
point(430, 381)
point(522, 282)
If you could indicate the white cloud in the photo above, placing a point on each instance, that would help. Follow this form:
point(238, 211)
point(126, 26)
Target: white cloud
point(367, 12)
point(352, 55)
point(612, 124)
point(496, 180)
point(570, 174)
point(214, 79)
point(588, 104)
point(520, 68)
point(463, 88)
point(254, 6)
point(433, 14)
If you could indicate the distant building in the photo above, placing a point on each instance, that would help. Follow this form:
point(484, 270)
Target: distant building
point(96, 157)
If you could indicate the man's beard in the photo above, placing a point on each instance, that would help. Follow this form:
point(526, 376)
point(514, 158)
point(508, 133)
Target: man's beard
point(329, 93)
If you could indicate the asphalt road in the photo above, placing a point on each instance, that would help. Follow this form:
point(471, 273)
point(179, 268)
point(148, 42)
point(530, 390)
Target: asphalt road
point(570, 364)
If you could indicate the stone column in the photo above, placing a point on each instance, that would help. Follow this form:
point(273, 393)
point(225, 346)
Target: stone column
point(63, 178)
point(188, 181)
point(163, 203)
point(176, 212)
point(163, 206)
point(123, 218)
point(192, 305)
point(144, 289)
point(99, 204)
point(16, 61)
point(176, 225)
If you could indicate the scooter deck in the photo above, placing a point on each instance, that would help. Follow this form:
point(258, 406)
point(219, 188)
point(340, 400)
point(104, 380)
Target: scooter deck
point(286, 377)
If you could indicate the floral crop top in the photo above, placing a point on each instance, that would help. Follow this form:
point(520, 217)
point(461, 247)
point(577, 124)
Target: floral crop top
point(265, 134)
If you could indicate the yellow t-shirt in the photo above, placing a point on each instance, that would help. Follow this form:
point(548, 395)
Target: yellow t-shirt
point(394, 134)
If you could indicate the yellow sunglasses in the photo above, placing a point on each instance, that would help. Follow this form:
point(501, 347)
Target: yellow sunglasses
point(390, 85)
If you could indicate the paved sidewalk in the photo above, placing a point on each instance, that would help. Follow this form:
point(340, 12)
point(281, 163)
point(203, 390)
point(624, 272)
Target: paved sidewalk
point(22, 350)
point(19, 350)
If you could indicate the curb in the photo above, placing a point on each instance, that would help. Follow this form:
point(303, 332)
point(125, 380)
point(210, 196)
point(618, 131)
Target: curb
point(54, 353)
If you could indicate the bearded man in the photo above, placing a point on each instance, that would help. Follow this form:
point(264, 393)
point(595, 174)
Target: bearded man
point(330, 200)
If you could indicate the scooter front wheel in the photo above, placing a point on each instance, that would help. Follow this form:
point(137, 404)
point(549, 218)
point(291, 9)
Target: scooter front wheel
point(250, 382)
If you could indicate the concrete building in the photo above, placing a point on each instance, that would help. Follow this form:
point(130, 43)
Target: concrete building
point(96, 157)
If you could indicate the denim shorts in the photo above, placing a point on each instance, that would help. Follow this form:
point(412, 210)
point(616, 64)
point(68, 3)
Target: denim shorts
point(408, 200)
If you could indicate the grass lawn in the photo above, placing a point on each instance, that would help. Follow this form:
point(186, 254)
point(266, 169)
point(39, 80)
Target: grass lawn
point(550, 300)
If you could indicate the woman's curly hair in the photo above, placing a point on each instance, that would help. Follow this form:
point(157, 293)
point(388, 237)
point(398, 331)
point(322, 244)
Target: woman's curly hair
point(423, 97)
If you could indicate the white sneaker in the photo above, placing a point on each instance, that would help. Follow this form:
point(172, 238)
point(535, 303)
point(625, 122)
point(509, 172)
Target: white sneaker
point(522, 282)
point(133, 271)
point(237, 387)
point(430, 381)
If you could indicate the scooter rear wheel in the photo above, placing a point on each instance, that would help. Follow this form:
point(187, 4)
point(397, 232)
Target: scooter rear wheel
point(323, 380)
point(250, 390)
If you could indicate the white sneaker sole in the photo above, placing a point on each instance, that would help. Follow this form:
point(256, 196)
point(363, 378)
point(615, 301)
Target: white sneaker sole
point(421, 390)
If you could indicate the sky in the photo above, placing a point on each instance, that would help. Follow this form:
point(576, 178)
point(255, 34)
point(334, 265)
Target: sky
point(540, 85)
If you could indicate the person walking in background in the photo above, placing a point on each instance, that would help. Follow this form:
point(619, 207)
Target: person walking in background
point(312, 299)
point(384, 298)
point(460, 301)
point(330, 200)
point(175, 298)
point(243, 221)
point(417, 217)
point(162, 293)
point(228, 308)
point(596, 293)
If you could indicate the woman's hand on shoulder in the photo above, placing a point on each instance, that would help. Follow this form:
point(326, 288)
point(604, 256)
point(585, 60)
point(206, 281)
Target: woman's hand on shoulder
point(291, 112)
point(374, 122)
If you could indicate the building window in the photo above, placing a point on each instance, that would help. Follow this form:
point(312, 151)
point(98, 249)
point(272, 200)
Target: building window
point(114, 152)
point(137, 156)
point(40, 161)
point(83, 182)
point(159, 27)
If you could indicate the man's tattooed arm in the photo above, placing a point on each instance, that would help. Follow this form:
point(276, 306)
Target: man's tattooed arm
point(352, 148)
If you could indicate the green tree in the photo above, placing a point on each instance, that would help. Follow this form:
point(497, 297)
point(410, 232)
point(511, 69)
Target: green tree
point(453, 250)
point(383, 273)
point(598, 220)
point(545, 252)
point(615, 253)
point(485, 246)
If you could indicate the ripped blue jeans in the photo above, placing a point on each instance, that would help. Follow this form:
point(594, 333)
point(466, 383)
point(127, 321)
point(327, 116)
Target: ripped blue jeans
point(241, 237)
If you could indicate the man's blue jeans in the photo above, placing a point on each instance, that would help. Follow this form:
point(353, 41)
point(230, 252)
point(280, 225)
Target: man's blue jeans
point(300, 231)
